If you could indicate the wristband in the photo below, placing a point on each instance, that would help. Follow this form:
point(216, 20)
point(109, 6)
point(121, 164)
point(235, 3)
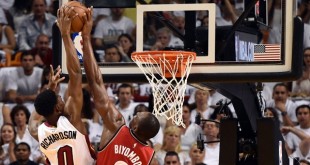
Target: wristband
point(284, 113)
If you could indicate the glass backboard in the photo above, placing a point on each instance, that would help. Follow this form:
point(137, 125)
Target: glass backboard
point(236, 51)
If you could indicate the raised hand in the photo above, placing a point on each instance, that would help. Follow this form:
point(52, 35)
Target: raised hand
point(87, 18)
point(64, 20)
point(286, 129)
point(54, 78)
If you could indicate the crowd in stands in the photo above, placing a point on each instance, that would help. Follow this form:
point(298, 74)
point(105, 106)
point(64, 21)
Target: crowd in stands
point(26, 54)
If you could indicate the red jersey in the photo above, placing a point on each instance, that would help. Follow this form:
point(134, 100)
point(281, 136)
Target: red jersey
point(125, 149)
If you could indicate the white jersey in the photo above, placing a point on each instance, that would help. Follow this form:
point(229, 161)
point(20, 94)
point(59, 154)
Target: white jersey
point(64, 144)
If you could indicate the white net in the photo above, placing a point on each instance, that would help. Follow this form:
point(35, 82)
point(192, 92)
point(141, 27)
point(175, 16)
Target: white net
point(167, 73)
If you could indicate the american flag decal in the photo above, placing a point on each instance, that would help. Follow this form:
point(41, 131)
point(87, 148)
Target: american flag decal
point(267, 52)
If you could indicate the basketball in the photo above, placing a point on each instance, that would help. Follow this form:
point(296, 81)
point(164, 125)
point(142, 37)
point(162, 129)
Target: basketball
point(77, 23)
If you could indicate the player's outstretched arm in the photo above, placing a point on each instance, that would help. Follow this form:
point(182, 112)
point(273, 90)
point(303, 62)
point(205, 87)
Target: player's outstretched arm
point(111, 116)
point(73, 106)
point(35, 119)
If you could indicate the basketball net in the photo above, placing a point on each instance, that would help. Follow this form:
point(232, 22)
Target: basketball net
point(167, 73)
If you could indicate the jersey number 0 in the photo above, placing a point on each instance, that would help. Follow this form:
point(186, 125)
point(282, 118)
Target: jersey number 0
point(65, 156)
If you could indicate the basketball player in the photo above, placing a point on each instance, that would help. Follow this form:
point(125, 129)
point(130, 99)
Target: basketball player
point(63, 137)
point(119, 144)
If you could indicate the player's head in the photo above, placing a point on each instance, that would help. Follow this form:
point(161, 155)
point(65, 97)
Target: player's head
point(48, 102)
point(145, 125)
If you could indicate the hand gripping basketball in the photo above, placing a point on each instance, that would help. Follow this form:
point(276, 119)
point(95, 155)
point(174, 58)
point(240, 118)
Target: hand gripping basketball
point(76, 14)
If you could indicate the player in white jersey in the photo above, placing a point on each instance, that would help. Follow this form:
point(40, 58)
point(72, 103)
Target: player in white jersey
point(63, 137)
point(66, 142)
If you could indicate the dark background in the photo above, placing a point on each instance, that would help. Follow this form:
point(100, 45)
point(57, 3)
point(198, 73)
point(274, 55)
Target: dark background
point(110, 3)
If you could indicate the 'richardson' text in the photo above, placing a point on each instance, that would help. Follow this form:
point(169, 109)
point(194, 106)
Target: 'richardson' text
point(58, 136)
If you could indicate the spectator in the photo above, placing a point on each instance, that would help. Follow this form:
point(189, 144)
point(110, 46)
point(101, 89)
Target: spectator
point(211, 131)
point(126, 45)
point(303, 117)
point(163, 38)
point(35, 24)
point(22, 152)
point(301, 86)
point(7, 142)
point(202, 107)
point(228, 14)
point(275, 15)
point(99, 14)
point(112, 54)
point(108, 29)
point(172, 142)
point(19, 11)
point(172, 158)
point(24, 82)
point(196, 155)
point(125, 103)
point(272, 113)
point(43, 54)
point(178, 20)
point(7, 40)
point(189, 131)
point(5, 15)
point(284, 106)
point(20, 117)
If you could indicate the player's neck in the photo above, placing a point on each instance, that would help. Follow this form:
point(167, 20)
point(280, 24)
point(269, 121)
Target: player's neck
point(51, 122)
point(137, 137)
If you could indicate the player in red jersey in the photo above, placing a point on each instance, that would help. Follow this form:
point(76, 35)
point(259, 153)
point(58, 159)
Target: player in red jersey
point(119, 144)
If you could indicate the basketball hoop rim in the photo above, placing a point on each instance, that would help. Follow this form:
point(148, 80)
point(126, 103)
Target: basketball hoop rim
point(156, 55)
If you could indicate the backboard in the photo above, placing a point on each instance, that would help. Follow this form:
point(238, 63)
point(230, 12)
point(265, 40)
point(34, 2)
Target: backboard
point(226, 52)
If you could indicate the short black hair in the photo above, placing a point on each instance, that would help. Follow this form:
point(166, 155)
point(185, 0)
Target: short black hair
point(111, 46)
point(149, 126)
point(16, 109)
point(26, 53)
point(22, 143)
point(126, 35)
point(172, 153)
point(45, 102)
point(280, 85)
point(302, 106)
point(273, 111)
point(125, 86)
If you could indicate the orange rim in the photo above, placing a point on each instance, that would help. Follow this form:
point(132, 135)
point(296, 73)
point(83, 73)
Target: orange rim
point(169, 56)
